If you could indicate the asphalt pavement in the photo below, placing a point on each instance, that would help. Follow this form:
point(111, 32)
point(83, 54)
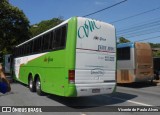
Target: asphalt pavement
point(130, 95)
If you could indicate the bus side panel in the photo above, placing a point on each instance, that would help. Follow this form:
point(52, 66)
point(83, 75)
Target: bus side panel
point(22, 62)
point(51, 69)
point(70, 89)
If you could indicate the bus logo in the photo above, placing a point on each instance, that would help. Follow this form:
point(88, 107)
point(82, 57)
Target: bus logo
point(48, 59)
point(89, 26)
point(97, 72)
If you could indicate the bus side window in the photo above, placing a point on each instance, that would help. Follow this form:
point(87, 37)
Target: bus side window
point(63, 36)
point(27, 49)
point(24, 49)
point(57, 38)
point(51, 40)
point(20, 50)
point(37, 45)
point(54, 39)
point(46, 41)
point(31, 47)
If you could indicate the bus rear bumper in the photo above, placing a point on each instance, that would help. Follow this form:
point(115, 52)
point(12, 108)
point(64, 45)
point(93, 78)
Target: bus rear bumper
point(95, 89)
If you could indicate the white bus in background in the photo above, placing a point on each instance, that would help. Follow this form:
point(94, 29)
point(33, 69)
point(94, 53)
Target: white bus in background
point(7, 63)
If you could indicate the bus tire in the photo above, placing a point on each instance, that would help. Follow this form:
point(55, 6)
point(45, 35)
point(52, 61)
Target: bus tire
point(38, 87)
point(31, 85)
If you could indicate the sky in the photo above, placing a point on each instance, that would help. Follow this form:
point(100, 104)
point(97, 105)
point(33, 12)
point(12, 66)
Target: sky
point(141, 18)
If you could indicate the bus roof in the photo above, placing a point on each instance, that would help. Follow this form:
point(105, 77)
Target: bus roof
point(66, 21)
point(63, 23)
point(128, 44)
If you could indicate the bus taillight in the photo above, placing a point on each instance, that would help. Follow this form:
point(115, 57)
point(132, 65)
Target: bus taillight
point(71, 76)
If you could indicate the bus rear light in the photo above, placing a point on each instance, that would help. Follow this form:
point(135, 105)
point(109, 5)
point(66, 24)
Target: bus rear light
point(71, 76)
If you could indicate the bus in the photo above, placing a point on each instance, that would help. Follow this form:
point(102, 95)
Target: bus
point(156, 66)
point(7, 63)
point(134, 62)
point(75, 58)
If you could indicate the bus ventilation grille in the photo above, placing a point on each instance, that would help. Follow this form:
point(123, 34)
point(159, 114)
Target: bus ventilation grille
point(124, 75)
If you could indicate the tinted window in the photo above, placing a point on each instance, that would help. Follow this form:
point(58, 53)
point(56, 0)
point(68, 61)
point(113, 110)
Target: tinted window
point(57, 38)
point(37, 44)
point(63, 36)
point(46, 41)
point(53, 40)
point(123, 53)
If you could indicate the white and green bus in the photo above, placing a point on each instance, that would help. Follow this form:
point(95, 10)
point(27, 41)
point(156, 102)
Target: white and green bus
point(75, 58)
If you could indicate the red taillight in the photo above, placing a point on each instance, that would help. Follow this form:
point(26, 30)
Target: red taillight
point(71, 76)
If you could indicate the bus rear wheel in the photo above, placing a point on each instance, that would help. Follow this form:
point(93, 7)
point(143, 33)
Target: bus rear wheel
point(38, 87)
point(31, 85)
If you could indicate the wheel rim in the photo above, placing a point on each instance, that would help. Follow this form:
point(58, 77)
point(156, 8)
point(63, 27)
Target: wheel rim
point(30, 83)
point(38, 85)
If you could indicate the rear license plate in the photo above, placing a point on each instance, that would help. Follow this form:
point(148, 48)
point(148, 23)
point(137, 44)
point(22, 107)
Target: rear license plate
point(95, 90)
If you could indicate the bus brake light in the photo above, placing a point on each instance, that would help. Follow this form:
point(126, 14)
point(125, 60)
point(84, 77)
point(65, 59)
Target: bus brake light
point(71, 76)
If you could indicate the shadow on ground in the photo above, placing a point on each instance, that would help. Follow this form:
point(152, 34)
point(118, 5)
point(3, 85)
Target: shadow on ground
point(92, 102)
point(139, 84)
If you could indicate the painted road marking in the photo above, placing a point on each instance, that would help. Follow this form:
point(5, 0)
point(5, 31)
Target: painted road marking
point(135, 102)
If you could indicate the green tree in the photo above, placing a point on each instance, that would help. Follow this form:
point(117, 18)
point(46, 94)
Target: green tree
point(123, 40)
point(14, 27)
point(155, 45)
point(45, 25)
point(156, 54)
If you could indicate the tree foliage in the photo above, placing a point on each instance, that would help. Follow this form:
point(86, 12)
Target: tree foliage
point(155, 45)
point(156, 53)
point(123, 40)
point(14, 27)
point(44, 25)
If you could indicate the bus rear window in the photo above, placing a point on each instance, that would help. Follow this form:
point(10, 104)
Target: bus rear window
point(123, 53)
